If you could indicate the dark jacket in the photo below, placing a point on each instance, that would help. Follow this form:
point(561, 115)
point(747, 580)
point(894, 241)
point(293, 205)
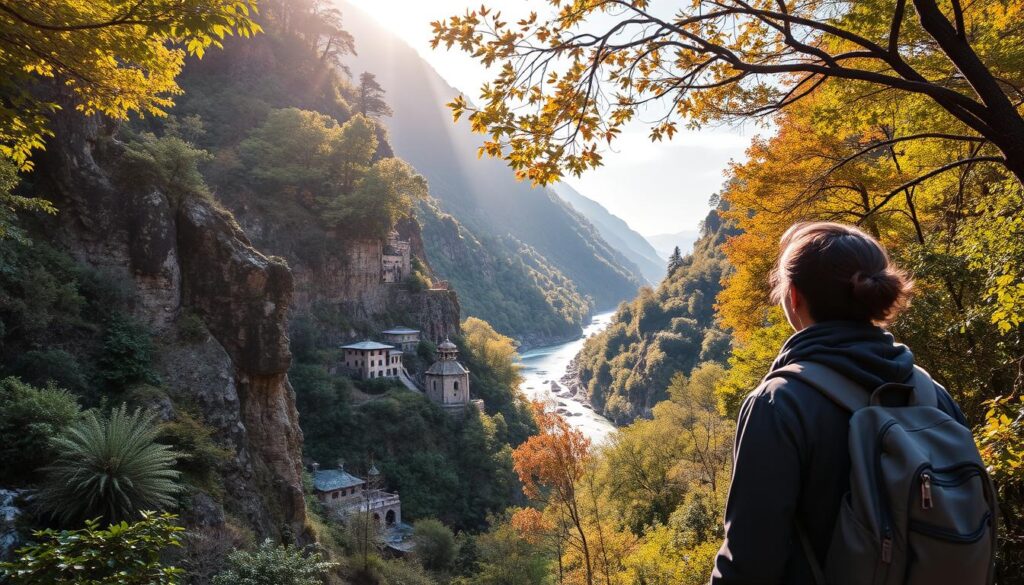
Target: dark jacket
point(791, 462)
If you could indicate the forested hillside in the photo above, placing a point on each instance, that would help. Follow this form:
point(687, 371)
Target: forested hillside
point(625, 370)
point(572, 267)
point(616, 232)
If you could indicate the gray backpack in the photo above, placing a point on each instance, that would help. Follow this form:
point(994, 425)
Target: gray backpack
point(921, 508)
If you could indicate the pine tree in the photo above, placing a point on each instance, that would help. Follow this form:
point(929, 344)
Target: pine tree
point(675, 261)
point(370, 101)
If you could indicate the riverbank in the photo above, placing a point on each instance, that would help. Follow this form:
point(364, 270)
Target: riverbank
point(544, 370)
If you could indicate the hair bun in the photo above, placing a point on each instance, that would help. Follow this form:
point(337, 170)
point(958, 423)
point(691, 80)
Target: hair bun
point(878, 293)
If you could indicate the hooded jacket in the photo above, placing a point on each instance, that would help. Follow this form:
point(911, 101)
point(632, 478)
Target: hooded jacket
point(791, 461)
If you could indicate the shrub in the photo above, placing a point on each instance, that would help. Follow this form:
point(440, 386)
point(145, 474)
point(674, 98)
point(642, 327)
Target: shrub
point(51, 366)
point(189, 435)
point(435, 544)
point(274, 565)
point(109, 467)
point(404, 573)
point(125, 554)
point(29, 417)
point(126, 355)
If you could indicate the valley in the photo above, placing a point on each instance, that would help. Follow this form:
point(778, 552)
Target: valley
point(279, 305)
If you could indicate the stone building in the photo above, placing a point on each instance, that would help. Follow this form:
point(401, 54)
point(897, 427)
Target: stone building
point(447, 380)
point(344, 494)
point(395, 259)
point(403, 337)
point(369, 360)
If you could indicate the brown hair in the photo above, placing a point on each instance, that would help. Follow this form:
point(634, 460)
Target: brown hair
point(842, 273)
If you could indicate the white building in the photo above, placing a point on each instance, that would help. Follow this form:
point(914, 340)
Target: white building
point(402, 337)
point(370, 360)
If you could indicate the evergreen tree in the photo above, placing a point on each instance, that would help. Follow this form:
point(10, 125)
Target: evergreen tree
point(370, 101)
point(675, 261)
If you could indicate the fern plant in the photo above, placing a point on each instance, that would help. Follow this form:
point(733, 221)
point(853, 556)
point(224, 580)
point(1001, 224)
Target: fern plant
point(109, 467)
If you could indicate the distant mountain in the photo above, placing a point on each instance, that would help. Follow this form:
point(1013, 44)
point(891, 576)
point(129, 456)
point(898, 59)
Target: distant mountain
point(665, 243)
point(616, 232)
point(566, 252)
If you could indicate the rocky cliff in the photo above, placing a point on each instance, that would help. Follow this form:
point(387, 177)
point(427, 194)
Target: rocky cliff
point(184, 254)
point(340, 290)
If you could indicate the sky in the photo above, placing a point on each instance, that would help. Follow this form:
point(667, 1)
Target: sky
point(656, 187)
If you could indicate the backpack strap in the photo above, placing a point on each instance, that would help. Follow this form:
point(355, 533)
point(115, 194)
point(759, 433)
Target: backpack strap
point(925, 393)
point(843, 391)
point(848, 394)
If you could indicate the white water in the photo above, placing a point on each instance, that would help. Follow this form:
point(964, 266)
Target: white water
point(543, 365)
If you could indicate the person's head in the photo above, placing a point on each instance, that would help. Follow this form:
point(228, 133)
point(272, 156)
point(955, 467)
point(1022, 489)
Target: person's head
point(830, 271)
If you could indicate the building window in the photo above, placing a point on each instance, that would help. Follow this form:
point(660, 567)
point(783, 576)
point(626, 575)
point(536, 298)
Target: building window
point(435, 384)
point(456, 385)
point(334, 495)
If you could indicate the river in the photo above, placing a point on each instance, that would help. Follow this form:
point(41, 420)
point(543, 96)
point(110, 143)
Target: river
point(540, 366)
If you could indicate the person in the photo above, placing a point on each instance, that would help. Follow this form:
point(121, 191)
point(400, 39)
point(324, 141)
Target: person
point(791, 463)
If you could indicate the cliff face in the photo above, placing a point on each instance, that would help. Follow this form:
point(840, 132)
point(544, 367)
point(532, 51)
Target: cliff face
point(341, 289)
point(177, 254)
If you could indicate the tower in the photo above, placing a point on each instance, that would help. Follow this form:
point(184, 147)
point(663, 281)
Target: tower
point(448, 380)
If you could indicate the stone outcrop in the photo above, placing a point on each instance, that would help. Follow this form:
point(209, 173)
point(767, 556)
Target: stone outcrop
point(185, 253)
point(346, 281)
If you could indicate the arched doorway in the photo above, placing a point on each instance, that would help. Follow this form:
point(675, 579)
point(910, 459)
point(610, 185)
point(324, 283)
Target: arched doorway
point(389, 518)
point(376, 517)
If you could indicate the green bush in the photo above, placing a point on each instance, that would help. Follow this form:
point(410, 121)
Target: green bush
point(126, 355)
point(189, 435)
point(29, 418)
point(122, 554)
point(109, 467)
point(54, 366)
point(398, 572)
point(435, 544)
point(274, 565)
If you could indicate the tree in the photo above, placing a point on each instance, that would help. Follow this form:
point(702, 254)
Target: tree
point(569, 83)
point(382, 196)
point(353, 153)
point(271, 564)
point(103, 56)
point(370, 99)
point(292, 147)
point(675, 261)
point(550, 465)
point(114, 58)
point(506, 558)
point(123, 553)
point(109, 467)
point(29, 418)
point(435, 544)
point(10, 203)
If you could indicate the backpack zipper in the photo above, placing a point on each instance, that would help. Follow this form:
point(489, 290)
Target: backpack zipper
point(955, 475)
point(926, 491)
point(949, 535)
